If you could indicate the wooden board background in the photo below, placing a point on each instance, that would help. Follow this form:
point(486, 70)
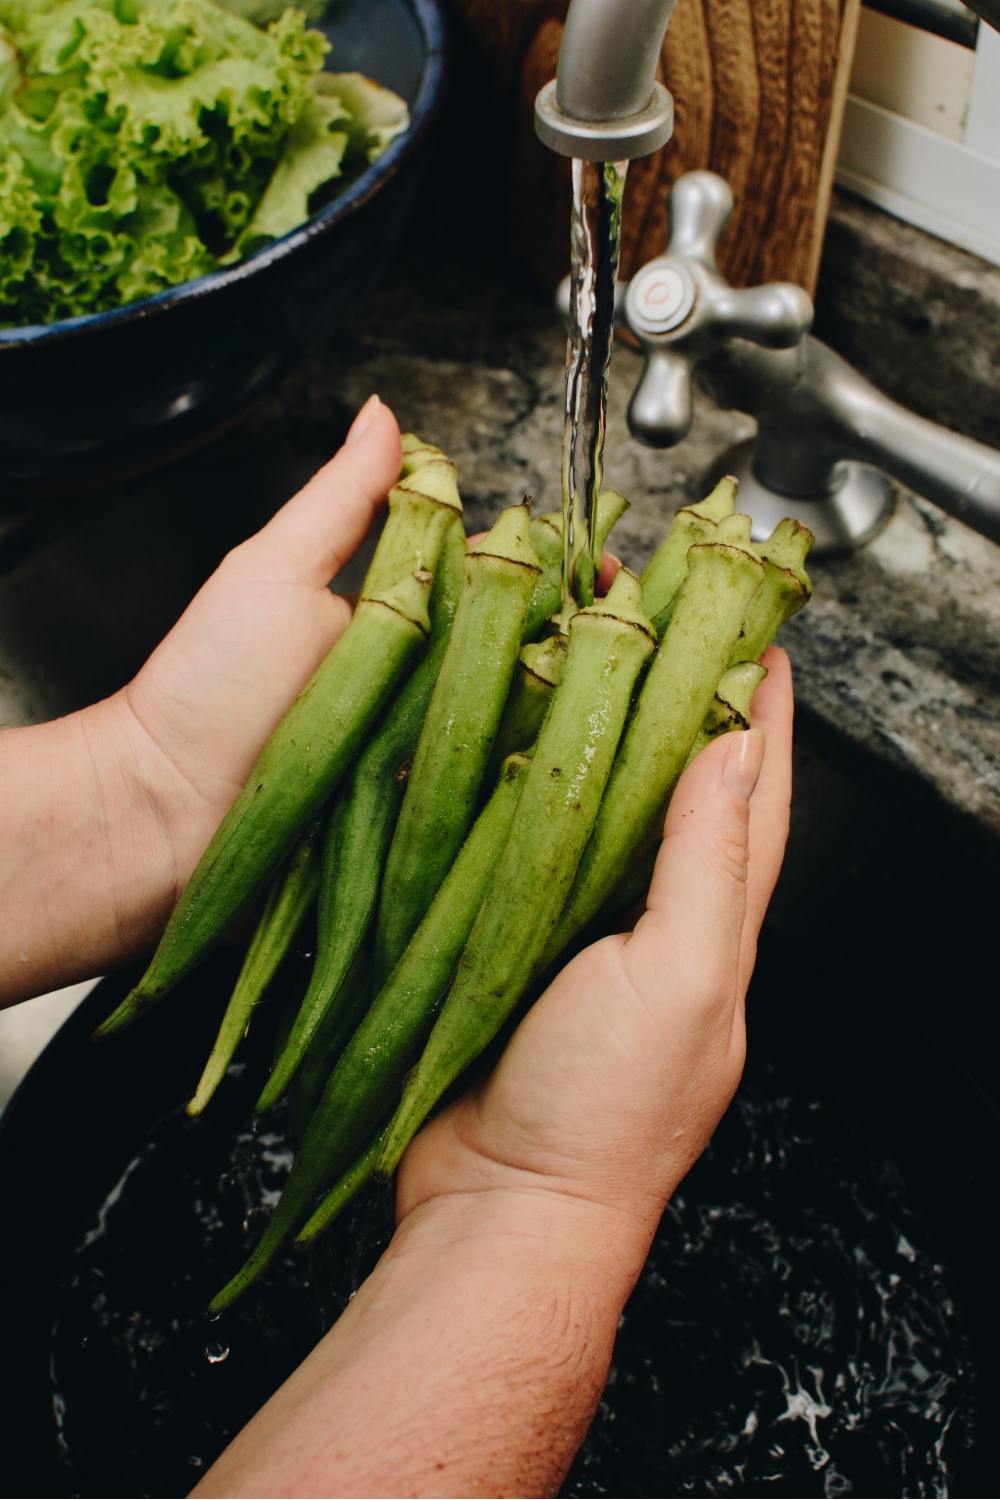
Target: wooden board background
point(758, 88)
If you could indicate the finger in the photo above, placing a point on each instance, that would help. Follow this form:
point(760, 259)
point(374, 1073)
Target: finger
point(321, 527)
point(772, 711)
point(688, 940)
point(609, 569)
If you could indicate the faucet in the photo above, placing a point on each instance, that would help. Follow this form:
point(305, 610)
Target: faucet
point(827, 440)
point(605, 103)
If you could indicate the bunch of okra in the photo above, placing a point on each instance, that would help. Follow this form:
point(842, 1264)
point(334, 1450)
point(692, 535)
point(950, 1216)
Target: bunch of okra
point(462, 790)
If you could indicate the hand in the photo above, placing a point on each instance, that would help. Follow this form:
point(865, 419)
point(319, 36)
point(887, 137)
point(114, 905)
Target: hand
point(471, 1361)
point(107, 811)
point(615, 1080)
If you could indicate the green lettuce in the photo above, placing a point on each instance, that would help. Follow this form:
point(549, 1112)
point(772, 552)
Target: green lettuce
point(144, 142)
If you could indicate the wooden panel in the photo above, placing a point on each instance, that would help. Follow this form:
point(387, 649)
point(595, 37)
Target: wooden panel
point(756, 85)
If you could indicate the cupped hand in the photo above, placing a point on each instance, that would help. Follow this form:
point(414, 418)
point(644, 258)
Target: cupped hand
point(209, 697)
point(615, 1080)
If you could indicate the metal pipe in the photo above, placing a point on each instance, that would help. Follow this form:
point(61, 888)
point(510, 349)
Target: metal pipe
point(608, 57)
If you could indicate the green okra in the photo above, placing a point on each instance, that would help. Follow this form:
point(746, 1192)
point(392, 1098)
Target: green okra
point(609, 643)
point(296, 772)
point(361, 828)
point(329, 1040)
point(343, 1193)
point(458, 733)
point(422, 508)
point(365, 1083)
point(289, 899)
point(547, 540)
point(416, 453)
point(729, 710)
point(536, 677)
point(785, 590)
point(720, 581)
point(666, 568)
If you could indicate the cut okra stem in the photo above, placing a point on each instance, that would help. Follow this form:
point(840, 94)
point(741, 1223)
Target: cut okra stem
point(666, 568)
point(546, 538)
point(298, 769)
point(458, 733)
point(536, 677)
point(785, 590)
point(290, 897)
point(422, 508)
point(361, 829)
point(720, 581)
point(364, 1085)
point(729, 710)
point(416, 453)
point(343, 1193)
point(609, 644)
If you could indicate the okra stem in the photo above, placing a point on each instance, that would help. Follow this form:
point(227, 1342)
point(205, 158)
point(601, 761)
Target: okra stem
point(666, 568)
point(721, 578)
point(366, 1080)
point(361, 829)
point(608, 645)
point(422, 508)
point(546, 538)
point(290, 897)
point(458, 733)
point(785, 590)
point(298, 768)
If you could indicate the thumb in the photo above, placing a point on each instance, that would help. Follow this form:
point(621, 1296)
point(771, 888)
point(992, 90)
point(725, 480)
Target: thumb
point(688, 940)
point(311, 538)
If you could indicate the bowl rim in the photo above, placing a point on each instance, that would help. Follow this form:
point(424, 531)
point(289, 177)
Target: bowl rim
point(430, 20)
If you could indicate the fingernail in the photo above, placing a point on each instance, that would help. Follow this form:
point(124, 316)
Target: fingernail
point(746, 756)
point(363, 420)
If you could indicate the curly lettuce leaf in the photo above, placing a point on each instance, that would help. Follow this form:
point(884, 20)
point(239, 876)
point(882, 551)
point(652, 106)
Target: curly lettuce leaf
point(312, 156)
point(144, 142)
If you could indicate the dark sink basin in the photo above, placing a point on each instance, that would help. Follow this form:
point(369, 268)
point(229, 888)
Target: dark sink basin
point(818, 1315)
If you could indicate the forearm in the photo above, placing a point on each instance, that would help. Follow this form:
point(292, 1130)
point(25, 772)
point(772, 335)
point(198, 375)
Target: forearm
point(470, 1362)
point(86, 877)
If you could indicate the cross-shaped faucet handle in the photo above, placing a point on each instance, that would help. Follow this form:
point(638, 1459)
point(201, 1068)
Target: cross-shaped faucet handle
point(682, 310)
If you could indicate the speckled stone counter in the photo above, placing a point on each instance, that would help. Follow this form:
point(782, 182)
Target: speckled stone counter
point(896, 658)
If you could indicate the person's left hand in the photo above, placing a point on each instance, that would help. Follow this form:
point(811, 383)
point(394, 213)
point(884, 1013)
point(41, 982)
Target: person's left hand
point(216, 687)
point(108, 810)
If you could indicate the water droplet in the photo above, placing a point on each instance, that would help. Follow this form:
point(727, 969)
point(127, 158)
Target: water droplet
point(215, 1353)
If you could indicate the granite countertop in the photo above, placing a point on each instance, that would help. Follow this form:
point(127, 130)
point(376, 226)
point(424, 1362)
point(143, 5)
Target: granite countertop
point(896, 657)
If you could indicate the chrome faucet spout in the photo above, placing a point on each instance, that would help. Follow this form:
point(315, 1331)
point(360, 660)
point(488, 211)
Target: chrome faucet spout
point(608, 58)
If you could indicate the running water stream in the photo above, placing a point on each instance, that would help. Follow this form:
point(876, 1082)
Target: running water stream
point(595, 243)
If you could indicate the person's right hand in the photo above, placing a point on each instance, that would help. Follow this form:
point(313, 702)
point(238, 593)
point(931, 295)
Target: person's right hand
point(613, 1083)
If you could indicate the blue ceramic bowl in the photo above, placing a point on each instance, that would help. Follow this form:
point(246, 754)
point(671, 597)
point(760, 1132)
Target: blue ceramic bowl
point(119, 392)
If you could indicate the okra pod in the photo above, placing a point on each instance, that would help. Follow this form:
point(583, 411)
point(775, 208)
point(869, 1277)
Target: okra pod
point(422, 508)
point(609, 643)
point(343, 1193)
point(546, 538)
point(290, 897)
point(364, 1085)
point(784, 591)
point(720, 581)
point(665, 570)
point(458, 733)
point(298, 768)
point(730, 708)
point(361, 828)
point(416, 453)
point(537, 675)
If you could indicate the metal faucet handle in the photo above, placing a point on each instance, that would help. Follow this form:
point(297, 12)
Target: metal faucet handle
point(682, 310)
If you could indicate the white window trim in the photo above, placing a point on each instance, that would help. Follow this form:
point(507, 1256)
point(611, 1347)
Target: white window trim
point(951, 190)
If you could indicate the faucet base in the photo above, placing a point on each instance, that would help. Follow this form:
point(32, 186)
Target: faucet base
point(840, 522)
